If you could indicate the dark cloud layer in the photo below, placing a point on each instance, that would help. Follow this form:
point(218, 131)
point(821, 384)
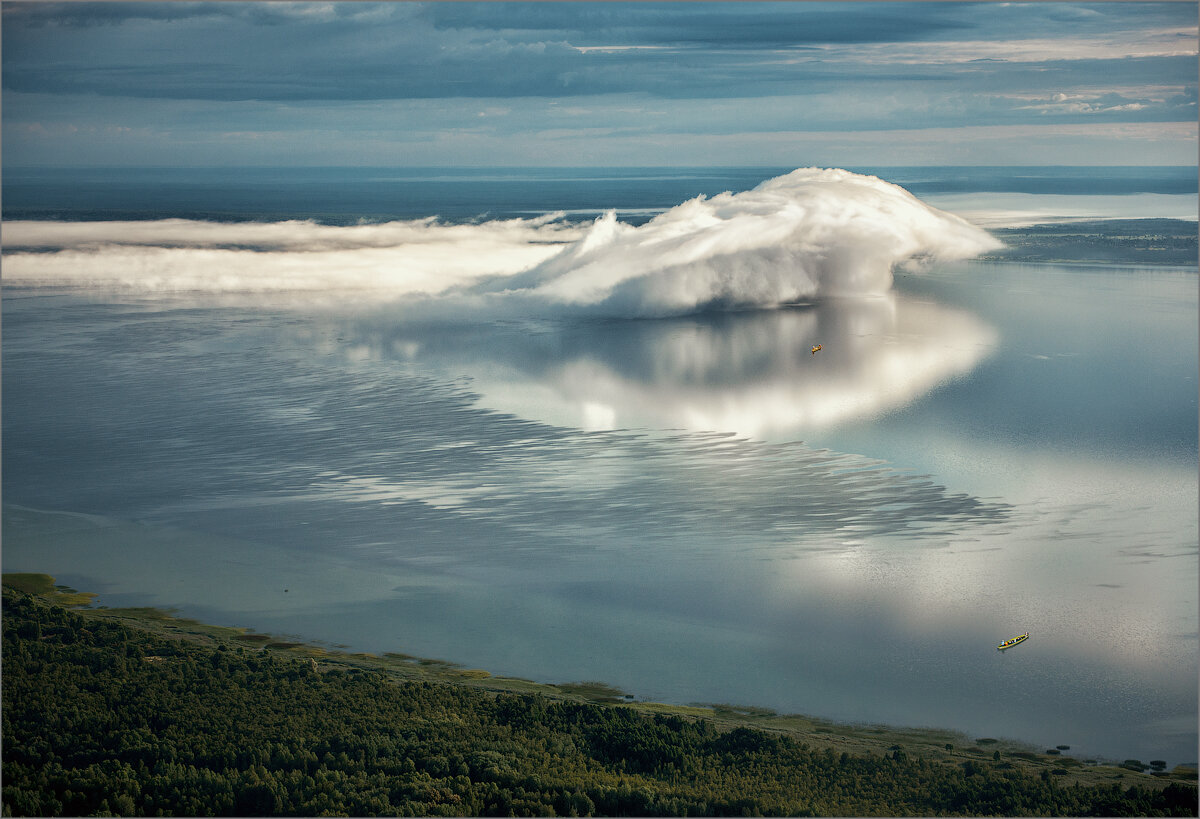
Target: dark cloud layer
point(352, 51)
point(105, 77)
point(778, 25)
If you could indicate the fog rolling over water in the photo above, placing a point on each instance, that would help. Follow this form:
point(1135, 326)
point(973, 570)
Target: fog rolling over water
point(813, 233)
point(594, 449)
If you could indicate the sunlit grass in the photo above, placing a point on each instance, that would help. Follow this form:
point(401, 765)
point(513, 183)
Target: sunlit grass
point(43, 585)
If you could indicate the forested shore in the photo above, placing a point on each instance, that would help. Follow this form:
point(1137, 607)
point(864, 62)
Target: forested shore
point(103, 719)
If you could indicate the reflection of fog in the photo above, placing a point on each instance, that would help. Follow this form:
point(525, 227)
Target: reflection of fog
point(747, 373)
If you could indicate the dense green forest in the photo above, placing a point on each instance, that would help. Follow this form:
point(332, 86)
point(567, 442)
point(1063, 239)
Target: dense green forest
point(102, 719)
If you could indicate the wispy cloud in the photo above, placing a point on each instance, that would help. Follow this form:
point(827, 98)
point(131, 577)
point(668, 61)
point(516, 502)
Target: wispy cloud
point(1170, 42)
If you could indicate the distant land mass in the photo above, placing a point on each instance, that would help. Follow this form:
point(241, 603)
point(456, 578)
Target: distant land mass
point(1110, 241)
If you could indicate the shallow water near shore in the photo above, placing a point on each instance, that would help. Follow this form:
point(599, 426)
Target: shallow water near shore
point(693, 509)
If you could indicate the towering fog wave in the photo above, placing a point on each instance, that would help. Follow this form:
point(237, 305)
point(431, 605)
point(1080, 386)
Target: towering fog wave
point(810, 234)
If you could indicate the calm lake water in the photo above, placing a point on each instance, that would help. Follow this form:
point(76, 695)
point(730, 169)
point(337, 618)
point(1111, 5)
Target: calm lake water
point(693, 508)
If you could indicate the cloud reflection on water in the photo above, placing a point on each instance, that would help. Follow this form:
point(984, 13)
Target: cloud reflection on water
point(752, 374)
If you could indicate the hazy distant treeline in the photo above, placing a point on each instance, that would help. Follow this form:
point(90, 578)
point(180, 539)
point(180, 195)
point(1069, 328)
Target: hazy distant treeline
point(99, 719)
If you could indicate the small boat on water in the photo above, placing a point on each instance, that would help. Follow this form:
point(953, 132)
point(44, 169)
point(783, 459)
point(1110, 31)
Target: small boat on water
point(815, 349)
point(1010, 643)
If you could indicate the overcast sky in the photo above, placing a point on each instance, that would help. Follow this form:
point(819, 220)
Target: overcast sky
point(792, 83)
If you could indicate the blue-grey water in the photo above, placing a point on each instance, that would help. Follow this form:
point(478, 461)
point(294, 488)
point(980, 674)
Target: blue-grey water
point(693, 508)
point(349, 194)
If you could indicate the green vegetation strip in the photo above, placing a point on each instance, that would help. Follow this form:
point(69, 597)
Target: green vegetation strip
point(43, 586)
point(177, 718)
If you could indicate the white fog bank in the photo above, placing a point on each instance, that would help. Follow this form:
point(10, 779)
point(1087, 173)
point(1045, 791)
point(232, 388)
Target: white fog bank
point(810, 234)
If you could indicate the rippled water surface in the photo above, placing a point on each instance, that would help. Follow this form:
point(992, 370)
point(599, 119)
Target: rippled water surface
point(694, 509)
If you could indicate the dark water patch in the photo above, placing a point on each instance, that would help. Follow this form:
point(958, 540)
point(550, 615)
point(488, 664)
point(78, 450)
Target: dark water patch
point(350, 195)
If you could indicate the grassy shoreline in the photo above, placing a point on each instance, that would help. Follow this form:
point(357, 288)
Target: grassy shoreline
point(935, 745)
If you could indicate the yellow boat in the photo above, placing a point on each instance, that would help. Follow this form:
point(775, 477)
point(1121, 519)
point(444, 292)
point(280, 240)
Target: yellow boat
point(1010, 643)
